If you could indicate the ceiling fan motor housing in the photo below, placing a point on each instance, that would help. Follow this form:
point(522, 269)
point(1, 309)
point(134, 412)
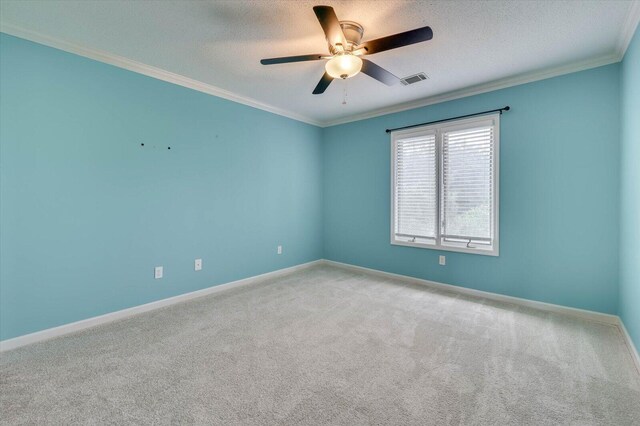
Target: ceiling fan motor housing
point(352, 33)
point(346, 48)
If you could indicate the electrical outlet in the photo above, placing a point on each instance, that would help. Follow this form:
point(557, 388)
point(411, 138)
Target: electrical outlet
point(158, 272)
point(442, 260)
point(279, 249)
point(198, 264)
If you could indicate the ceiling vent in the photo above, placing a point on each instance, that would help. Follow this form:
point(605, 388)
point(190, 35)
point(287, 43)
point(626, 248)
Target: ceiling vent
point(416, 78)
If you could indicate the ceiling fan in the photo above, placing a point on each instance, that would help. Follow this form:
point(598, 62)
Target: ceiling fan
point(346, 50)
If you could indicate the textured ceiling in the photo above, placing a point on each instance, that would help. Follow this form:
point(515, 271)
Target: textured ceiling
point(220, 43)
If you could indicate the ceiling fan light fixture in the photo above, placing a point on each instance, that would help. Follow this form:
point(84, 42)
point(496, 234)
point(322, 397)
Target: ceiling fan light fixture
point(343, 65)
point(345, 47)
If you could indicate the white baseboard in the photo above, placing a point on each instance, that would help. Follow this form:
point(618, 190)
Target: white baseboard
point(608, 319)
point(632, 348)
point(73, 327)
point(50, 333)
point(582, 313)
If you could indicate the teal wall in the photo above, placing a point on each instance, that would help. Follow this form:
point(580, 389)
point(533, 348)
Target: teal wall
point(630, 191)
point(559, 194)
point(86, 212)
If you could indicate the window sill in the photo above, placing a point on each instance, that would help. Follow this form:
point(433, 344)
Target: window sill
point(484, 252)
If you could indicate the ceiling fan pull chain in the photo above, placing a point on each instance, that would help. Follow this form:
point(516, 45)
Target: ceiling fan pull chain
point(344, 92)
point(345, 48)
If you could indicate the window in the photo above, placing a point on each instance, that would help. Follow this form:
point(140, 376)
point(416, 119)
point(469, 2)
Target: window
point(445, 186)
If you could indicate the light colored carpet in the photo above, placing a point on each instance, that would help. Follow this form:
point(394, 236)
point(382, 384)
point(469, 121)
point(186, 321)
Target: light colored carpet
point(328, 346)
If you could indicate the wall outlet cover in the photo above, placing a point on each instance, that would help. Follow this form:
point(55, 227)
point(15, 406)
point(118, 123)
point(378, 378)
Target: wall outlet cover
point(158, 272)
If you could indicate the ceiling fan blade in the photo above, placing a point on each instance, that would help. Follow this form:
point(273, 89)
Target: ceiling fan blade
point(330, 25)
point(379, 73)
point(287, 59)
point(397, 40)
point(324, 82)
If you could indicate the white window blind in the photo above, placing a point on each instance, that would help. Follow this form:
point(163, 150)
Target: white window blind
point(445, 186)
point(416, 192)
point(467, 185)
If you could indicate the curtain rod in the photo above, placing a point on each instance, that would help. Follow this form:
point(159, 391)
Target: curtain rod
point(507, 108)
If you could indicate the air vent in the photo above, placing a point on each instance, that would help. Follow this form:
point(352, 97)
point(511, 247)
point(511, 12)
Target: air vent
point(416, 78)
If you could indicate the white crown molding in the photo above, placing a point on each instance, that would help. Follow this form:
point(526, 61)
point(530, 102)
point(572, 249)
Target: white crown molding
point(626, 34)
point(629, 28)
point(50, 333)
point(148, 70)
point(481, 88)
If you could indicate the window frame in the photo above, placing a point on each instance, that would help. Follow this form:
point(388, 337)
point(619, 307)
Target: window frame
point(439, 129)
